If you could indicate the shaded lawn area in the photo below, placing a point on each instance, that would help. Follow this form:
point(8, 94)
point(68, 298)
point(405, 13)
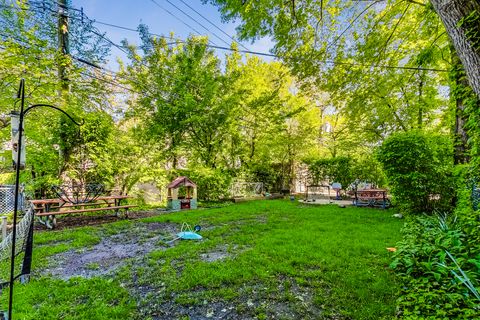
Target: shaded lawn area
point(258, 260)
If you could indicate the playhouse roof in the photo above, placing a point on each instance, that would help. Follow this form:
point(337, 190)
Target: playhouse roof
point(181, 181)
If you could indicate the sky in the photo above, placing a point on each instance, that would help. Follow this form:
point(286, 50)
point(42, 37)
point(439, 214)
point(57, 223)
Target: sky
point(130, 13)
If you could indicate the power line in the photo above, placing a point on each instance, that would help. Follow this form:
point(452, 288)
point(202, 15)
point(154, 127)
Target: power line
point(192, 18)
point(214, 25)
point(111, 42)
point(115, 26)
point(335, 41)
point(130, 29)
point(173, 15)
point(113, 83)
point(331, 62)
point(265, 54)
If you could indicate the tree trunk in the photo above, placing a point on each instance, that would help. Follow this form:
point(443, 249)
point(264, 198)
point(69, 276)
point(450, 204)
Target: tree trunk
point(460, 93)
point(462, 22)
point(420, 101)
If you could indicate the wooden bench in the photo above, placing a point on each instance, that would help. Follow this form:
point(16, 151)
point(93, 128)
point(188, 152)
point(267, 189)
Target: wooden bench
point(46, 210)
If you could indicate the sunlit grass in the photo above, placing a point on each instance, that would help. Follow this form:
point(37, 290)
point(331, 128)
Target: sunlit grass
point(320, 261)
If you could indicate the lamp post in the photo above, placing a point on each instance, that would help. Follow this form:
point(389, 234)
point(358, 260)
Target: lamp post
point(18, 164)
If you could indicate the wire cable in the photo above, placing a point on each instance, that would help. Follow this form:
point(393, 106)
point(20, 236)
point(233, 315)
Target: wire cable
point(195, 20)
point(214, 25)
point(265, 54)
point(173, 15)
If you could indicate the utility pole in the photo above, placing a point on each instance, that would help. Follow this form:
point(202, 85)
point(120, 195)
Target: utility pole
point(63, 45)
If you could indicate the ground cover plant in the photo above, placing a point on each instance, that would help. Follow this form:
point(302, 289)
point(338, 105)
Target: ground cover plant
point(257, 260)
point(438, 269)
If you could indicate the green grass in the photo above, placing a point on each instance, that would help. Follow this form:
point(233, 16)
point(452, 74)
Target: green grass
point(278, 259)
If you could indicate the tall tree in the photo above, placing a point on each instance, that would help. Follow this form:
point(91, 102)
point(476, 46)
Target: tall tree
point(378, 61)
point(186, 105)
point(30, 50)
point(462, 22)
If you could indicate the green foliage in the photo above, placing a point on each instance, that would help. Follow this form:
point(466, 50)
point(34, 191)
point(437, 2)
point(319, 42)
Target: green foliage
point(430, 288)
point(29, 51)
point(190, 107)
point(270, 174)
point(248, 119)
point(88, 149)
point(470, 24)
point(357, 38)
point(464, 181)
point(212, 184)
point(368, 168)
point(338, 169)
point(419, 167)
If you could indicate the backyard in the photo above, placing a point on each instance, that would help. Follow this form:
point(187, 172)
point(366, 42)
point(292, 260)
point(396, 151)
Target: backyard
point(257, 260)
point(329, 152)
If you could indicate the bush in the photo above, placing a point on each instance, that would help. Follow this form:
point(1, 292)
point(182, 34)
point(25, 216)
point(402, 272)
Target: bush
point(419, 169)
point(274, 176)
point(212, 184)
point(367, 168)
point(338, 169)
point(428, 274)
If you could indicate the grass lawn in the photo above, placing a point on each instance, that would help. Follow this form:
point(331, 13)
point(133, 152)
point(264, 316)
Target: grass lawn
point(258, 260)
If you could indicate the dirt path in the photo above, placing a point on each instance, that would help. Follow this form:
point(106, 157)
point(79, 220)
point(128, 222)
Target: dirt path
point(112, 252)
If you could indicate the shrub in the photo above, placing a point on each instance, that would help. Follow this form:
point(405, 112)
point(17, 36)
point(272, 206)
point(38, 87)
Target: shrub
point(419, 168)
point(273, 175)
point(338, 169)
point(367, 168)
point(212, 184)
point(433, 253)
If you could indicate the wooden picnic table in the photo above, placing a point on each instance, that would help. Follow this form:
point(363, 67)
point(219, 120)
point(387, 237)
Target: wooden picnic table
point(372, 198)
point(47, 209)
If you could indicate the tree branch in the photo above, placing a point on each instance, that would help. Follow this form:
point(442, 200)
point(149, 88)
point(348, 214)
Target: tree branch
point(416, 2)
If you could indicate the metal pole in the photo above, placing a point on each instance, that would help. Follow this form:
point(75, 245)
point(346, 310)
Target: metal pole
point(15, 207)
point(4, 227)
point(23, 112)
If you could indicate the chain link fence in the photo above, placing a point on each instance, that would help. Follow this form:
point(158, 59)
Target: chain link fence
point(246, 189)
point(475, 196)
point(7, 199)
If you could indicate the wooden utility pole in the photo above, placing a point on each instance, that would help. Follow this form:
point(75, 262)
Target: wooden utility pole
point(63, 45)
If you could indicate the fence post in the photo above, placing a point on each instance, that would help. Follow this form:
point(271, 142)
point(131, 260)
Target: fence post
point(4, 227)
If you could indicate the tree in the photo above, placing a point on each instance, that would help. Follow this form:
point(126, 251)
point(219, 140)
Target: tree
point(29, 50)
point(249, 119)
point(462, 22)
point(187, 105)
point(378, 62)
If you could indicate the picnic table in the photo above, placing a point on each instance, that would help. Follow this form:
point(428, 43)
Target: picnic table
point(46, 210)
point(371, 198)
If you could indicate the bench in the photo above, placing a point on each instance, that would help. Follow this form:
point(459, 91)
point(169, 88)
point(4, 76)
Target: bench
point(371, 198)
point(46, 210)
